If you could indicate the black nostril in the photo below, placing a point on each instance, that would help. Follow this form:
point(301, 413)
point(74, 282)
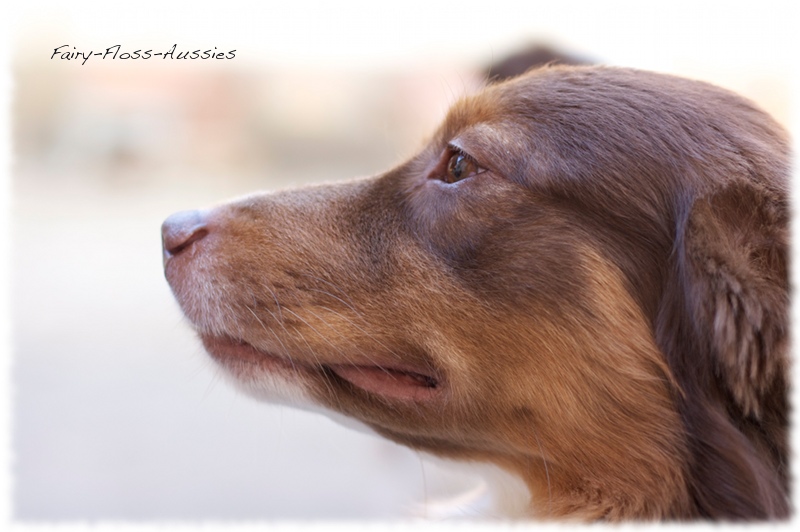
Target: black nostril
point(181, 230)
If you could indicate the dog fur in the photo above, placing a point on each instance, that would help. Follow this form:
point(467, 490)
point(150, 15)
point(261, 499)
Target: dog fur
point(582, 278)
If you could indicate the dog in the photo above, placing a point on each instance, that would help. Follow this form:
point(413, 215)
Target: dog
point(581, 278)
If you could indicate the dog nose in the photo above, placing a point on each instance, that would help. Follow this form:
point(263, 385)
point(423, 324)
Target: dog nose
point(181, 230)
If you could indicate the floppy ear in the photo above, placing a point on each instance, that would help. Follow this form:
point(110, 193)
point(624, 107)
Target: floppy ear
point(734, 247)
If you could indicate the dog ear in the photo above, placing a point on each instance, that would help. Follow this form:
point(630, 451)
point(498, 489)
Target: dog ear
point(734, 262)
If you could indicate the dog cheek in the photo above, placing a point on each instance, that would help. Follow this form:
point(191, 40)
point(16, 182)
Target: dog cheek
point(456, 222)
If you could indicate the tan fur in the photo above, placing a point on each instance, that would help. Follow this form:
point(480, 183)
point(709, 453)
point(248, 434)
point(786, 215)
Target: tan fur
point(585, 309)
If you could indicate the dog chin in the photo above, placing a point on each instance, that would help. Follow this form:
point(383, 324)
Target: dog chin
point(279, 390)
point(270, 388)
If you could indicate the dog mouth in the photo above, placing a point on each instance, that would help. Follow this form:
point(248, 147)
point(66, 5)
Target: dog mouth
point(390, 380)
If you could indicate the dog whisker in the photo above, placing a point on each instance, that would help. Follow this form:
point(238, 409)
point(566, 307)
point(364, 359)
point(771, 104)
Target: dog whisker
point(270, 330)
point(586, 266)
point(336, 288)
point(313, 353)
point(365, 332)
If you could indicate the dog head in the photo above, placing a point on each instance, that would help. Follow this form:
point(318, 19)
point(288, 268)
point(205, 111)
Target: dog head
point(581, 278)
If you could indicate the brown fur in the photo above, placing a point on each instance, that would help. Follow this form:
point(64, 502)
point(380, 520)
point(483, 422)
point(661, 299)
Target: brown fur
point(601, 308)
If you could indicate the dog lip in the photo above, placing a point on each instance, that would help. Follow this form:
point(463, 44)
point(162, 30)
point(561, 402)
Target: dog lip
point(398, 382)
point(229, 349)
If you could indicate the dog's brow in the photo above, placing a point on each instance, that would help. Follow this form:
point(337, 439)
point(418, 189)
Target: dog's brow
point(604, 313)
point(497, 147)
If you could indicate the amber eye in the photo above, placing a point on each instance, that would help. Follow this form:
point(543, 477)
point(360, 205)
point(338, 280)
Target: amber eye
point(460, 166)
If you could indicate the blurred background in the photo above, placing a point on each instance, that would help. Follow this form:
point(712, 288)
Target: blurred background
point(116, 413)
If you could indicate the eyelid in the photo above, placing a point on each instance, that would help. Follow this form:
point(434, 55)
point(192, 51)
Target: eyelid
point(458, 150)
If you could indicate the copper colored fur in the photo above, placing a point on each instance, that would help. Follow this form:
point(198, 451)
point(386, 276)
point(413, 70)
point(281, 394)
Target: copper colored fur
point(581, 278)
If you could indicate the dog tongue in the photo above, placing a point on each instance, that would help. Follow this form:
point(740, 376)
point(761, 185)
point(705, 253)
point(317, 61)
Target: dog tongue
point(398, 384)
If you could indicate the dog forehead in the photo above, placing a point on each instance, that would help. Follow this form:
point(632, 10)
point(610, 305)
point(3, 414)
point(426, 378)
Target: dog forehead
point(549, 115)
point(576, 124)
point(530, 96)
point(493, 106)
point(583, 100)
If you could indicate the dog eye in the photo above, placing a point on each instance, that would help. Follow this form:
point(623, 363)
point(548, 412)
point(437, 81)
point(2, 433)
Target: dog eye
point(460, 166)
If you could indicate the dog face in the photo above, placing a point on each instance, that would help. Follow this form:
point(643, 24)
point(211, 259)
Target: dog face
point(581, 278)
